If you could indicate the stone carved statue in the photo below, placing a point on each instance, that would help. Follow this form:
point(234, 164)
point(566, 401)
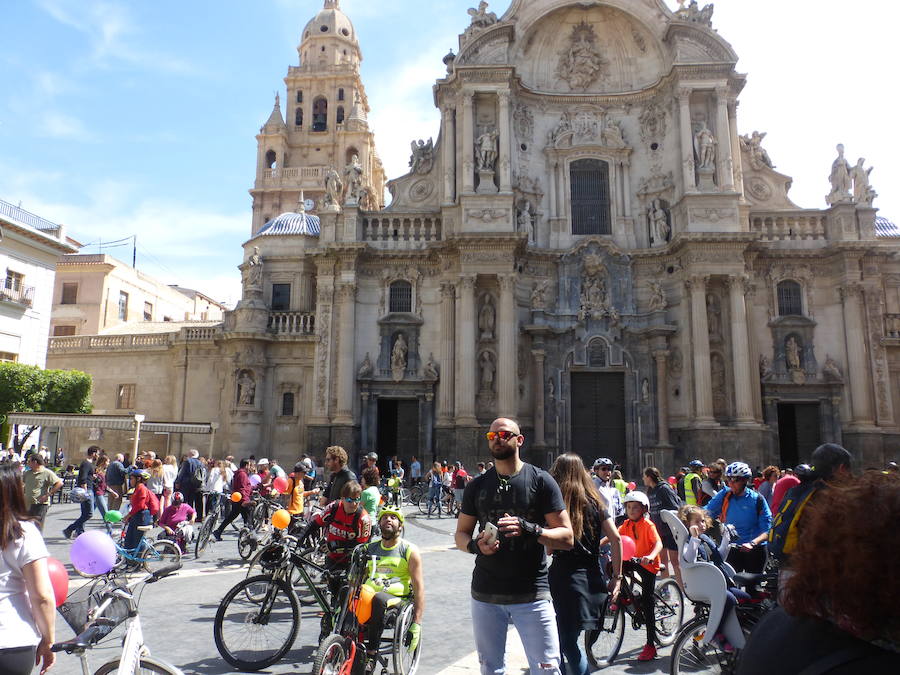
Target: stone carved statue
point(831, 370)
point(334, 186)
point(551, 389)
point(645, 390)
point(486, 150)
point(792, 354)
point(539, 294)
point(254, 268)
point(481, 17)
point(486, 362)
point(422, 159)
point(713, 314)
point(581, 63)
point(594, 298)
point(398, 358)
point(765, 367)
point(430, 370)
point(657, 296)
point(659, 223)
point(752, 145)
point(366, 369)
point(694, 14)
point(486, 318)
point(353, 174)
point(863, 193)
point(705, 146)
point(525, 220)
point(612, 134)
point(840, 179)
point(246, 388)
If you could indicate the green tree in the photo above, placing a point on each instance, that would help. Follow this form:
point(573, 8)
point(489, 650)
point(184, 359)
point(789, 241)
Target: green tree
point(33, 389)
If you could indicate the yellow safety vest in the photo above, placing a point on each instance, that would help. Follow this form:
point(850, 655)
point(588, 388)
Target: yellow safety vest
point(689, 496)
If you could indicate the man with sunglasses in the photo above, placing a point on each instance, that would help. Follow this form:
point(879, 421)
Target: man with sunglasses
point(712, 484)
point(603, 479)
point(509, 582)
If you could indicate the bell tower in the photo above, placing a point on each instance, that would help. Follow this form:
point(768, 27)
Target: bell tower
point(323, 125)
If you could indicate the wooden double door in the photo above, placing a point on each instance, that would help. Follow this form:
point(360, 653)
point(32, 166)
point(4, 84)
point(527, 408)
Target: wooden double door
point(598, 416)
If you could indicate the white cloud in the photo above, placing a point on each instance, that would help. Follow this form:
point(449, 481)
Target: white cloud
point(62, 126)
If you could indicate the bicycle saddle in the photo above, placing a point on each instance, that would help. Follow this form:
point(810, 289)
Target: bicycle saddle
point(86, 639)
point(746, 579)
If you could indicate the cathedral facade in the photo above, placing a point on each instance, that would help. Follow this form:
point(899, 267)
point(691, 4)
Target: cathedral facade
point(588, 246)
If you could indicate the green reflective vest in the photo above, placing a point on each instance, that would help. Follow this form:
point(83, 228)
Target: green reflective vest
point(689, 496)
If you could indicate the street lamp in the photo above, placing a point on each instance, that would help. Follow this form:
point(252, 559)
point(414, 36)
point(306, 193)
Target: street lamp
point(137, 434)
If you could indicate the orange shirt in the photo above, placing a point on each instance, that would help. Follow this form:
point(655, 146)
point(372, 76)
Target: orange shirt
point(645, 536)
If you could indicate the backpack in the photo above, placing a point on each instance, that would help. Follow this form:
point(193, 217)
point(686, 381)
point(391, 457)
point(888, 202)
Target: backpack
point(154, 503)
point(723, 514)
point(783, 534)
point(199, 476)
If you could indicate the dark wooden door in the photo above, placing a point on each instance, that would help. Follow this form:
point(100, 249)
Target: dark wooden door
point(398, 429)
point(799, 432)
point(598, 415)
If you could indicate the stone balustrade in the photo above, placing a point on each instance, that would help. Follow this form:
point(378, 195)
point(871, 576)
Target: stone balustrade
point(292, 323)
point(200, 334)
point(401, 231)
point(892, 326)
point(805, 225)
point(108, 342)
point(308, 175)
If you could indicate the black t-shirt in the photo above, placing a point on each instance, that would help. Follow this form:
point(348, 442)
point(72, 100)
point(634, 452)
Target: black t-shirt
point(518, 571)
point(337, 482)
point(86, 474)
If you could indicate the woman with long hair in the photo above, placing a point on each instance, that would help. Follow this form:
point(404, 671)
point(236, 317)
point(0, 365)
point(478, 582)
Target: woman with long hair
point(157, 482)
point(215, 485)
point(434, 481)
point(576, 580)
point(27, 607)
point(663, 498)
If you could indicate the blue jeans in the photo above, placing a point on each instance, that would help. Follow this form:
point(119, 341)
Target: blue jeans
point(87, 510)
point(576, 662)
point(434, 498)
point(536, 624)
point(133, 535)
point(102, 505)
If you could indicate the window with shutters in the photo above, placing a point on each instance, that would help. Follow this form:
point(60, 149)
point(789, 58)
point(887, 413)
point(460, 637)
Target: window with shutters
point(69, 294)
point(125, 396)
point(589, 180)
point(790, 299)
point(148, 311)
point(401, 297)
point(62, 331)
point(123, 306)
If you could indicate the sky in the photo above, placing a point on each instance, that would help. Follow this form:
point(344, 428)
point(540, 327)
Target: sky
point(123, 118)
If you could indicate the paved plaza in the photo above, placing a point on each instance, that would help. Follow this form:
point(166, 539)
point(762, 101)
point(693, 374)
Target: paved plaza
point(177, 613)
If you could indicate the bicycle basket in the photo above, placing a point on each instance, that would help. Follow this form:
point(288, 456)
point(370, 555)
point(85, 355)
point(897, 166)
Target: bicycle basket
point(79, 608)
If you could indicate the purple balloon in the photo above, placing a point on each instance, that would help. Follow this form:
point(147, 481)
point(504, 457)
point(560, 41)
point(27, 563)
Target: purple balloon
point(255, 480)
point(93, 553)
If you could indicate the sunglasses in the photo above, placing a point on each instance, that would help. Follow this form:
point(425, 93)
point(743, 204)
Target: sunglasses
point(502, 435)
point(352, 499)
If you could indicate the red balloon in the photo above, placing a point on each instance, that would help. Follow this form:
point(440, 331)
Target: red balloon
point(59, 579)
point(632, 485)
point(627, 547)
point(672, 480)
point(280, 484)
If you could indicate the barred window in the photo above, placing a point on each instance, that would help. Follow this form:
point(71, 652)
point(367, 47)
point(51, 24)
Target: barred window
point(287, 404)
point(790, 299)
point(590, 197)
point(401, 297)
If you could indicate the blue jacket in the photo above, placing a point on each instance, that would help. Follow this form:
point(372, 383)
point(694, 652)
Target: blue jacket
point(750, 513)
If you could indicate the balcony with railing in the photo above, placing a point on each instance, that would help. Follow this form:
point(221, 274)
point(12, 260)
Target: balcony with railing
point(17, 213)
point(806, 225)
point(23, 296)
point(401, 231)
point(292, 323)
point(293, 176)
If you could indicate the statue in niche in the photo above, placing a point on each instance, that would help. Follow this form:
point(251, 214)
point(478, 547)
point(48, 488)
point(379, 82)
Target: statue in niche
point(658, 216)
point(254, 268)
point(645, 390)
point(486, 150)
point(840, 179)
point(525, 220)
point(353, 173)
point(486, 318)
point(831, 370)
point(612, 134)
point(752, 145)
point(792, 354)
point(539, 294)
point(765, 367)
point(398, 358)
point(334, 186)
point(422, 158)
point(595, 302)
point(657, 296)
point(863, 193)
point(246, 388)
point(486, 362)
point(581, 63)
point(430, 370)
point(551, 389)
point(705, 146)
point(481, 18)
point(366, 369)
point(713, 313)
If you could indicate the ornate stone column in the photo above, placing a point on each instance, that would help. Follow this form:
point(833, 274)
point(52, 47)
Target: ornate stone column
point(740, 350)
point(723, 135)
point(538, 356)
point(465, 351)
point(736, 148)
point(448, 152)
point(687, 139)
point(552, 185)
point(346, 362)
point(696, 286)
point(507, 328)
point(857, 363)
point(448, 370)
point(505, 141)
point(626, 187)
point(322, 368)
point(468, 145)
point(662, 396)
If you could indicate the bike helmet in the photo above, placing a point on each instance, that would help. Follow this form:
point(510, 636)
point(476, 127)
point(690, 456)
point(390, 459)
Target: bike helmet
point(372, 455)
point(143, 474)
point(604, 461)
point(696, 464)
point(738, 470)
point(391, 512)
point(638, 497)
point(177, 498)
point(803, 470)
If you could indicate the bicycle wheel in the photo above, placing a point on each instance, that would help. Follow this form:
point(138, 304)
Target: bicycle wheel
point(690, 655)
point(145, 665)
point(255, 569)
point(668, 611)
point(603, 644)
point(204, 535)
point(253, 635)
point(331, 656)
point(246, 545)
point(423, 504)
point(405, 662)
point(159, 554)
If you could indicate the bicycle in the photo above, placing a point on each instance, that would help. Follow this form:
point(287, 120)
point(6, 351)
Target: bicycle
point(151, 555)
point(603, 644)
point(215, 508)
point(105, 608)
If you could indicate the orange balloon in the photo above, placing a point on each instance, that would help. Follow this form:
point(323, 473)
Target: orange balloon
point(281, 519)
point(236, 497)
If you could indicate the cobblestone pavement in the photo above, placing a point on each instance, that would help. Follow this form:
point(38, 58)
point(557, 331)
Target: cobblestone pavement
point(177, 613)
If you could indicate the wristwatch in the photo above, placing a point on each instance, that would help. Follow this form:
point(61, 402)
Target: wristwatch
point(472, 547)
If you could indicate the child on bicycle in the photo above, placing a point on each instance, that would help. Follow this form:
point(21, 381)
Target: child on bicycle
point(701, 547)
point(647, 545)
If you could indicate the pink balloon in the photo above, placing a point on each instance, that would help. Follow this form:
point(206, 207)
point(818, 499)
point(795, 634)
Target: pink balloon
point(627, 547)
point(59, 579)
point(255, 479)
point(280, 484)
point(632, 485)
point(672, 480)
point(93, 553)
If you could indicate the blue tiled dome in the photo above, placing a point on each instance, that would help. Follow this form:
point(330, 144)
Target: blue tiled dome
point(292, 223)
point(885, 228)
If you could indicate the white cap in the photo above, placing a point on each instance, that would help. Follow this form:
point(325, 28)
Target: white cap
point(262, 461)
